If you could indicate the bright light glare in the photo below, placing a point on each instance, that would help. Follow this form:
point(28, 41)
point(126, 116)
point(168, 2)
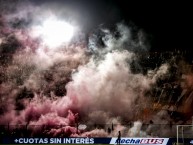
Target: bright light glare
point(55, 32)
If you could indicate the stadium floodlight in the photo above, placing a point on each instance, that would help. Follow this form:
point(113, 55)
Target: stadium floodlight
point(54, 32)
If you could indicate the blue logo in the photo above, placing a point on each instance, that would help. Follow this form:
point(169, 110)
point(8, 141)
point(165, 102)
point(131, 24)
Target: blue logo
point(191, 141)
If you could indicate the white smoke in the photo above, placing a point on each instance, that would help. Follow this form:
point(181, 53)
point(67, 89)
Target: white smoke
point(101, 88)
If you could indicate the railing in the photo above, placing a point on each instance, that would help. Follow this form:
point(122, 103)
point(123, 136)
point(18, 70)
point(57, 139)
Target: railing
point(41, 130)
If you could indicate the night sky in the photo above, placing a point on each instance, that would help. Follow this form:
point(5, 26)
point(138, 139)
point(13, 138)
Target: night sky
point(167, 25)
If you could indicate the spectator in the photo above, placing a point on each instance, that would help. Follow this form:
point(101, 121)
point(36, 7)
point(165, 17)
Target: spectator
point(109, 130)
point(119, 138)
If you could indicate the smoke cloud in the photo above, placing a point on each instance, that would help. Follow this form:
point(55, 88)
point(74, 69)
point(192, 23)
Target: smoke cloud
point(53, 91)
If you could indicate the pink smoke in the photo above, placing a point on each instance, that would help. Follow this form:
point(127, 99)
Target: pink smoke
point(52, 91)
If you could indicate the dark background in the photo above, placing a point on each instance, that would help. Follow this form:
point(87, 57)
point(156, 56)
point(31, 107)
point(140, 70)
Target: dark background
point(168, 24)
